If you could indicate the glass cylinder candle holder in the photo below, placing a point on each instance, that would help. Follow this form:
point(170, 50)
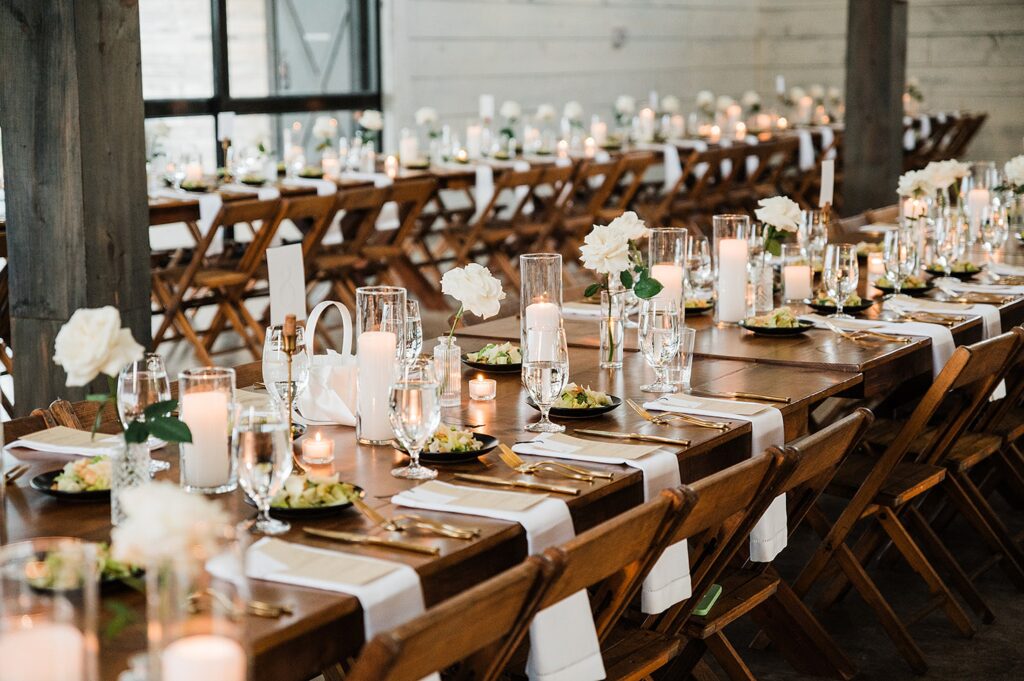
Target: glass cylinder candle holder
point(49, 592)
point(796, 274)
point(207, 396)
point(666, 251)
point(380, 341)
point(730, 252)
point(540, 303)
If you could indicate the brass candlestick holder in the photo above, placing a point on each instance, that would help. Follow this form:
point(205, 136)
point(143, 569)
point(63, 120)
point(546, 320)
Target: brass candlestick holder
point(288, 343)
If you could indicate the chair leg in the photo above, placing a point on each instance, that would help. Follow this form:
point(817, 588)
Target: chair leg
point(905, 544)
point(734, 666)
point(243, 331)
point(977, 511)
point(864, 549)
point(684, 663)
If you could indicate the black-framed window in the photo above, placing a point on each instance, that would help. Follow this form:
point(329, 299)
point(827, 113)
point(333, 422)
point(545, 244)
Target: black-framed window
point(279, 64)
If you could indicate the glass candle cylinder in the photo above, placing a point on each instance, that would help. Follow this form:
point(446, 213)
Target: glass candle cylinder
point(666, 250)
point(49, 591)
point(540, 300)
point(206, 396)
point(796, 274)
point(730, 251)
point(380, 334)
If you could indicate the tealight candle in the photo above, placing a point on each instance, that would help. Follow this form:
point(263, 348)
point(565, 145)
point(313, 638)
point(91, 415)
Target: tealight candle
point(203, 657)
point(796, 281)
point(481, 388)
point(318, 450)
point(391, 167)
point(462, 156)
point(331, 166)
point(782, 123)
point(193, 172)
point(741, 131)
point(715, 133)
point(563, 149)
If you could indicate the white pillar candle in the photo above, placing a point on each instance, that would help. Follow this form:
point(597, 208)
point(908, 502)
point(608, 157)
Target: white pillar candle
point(481, 388)
point(409, 149)
point(733, 112)
point(763, 121)
point(646, 117)
point(796, 280)
point(543, 315)
point(43, 651)
point(331, 166)
point(599, 131)
point(474, 138)
point(193, 172)
point(715, 133)
point(368, 159)
point(391, 167)
point(732, 280)
point(977, 205)
point(670, 276)
point(204, 657)
point(678, 125)
point(828, 175)
point(206, 462)
point(542, 323)
point(562, 149)
point(376, 361)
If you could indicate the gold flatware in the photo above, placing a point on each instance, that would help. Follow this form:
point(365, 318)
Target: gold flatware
point(662, 419)
point(15, 473)
point(633, 436)
point(402, 523)
point(516, 463)
point(500, 482)
point(738, 395)
point(364, 540)
point(886, 336)
point(851, 336)
point(255, 608)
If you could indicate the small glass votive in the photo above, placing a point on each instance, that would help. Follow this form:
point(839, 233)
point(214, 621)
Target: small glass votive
point(682, 365)
point(796, 274)
point(481, 388)
point(317, 450)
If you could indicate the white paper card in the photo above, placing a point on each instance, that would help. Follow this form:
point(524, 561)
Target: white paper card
point(287, 283)
point(828, 175)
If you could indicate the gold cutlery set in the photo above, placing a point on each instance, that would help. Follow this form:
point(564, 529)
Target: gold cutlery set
point(15, 473)
point(866, 336)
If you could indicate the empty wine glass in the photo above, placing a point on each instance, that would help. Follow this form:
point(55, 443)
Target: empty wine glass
point(263, 450)
point(660, 325)
point(413, 330)
point(414, 408)
point(840, 275)
point(994, 232)
point(947, 248)
point(698, 264)
point(900, 257)
point(545, 374)
point(142, 383)
point(275, 366)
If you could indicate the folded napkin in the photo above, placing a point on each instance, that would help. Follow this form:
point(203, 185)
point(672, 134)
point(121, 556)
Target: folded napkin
point(483, 187)
point(926, 126)
point(1007, 269)
point(828, 135)
point(845, 324)
point(999, 289)
point(992, 321)
point(669, 580)
point(673, 168)
point(771, 534)
point(563, 639)
point(68, 441)
point(806, 153)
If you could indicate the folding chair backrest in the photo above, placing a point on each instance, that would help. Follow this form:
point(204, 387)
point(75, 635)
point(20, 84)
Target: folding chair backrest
point(479, 627)
point(633, 167)
point(319, 210)
point(361, 207)
point(409, 198)
point(993, 413)
point(592, 186)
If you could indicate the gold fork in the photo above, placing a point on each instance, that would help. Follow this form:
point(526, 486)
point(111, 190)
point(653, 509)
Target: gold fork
point(662, 419)
point(516, 462)
point(15, 473)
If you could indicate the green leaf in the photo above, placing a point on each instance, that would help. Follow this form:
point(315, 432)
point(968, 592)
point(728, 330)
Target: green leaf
point(626, 278)
point(136, 433)
point(170, 429)
point(158, 409)
point(591, 290)
point(121, 618)
point(647, 288)
point(773, 246)
point(97, 397)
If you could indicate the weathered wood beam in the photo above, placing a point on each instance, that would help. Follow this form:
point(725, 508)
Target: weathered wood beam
point(74, 161)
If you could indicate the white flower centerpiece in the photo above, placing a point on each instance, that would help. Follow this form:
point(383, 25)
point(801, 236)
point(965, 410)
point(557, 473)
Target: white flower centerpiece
point(427, 118)
point(780, 215)
point(324, 130)
point(670, 104)
point(573, 112)
point(941, 175)
point(916, 187)
point(1013, 171)
point(612, 252)
point(625, 107)
point(371, 122)
point(706, 103)
point(511, 112)
point(751, 102)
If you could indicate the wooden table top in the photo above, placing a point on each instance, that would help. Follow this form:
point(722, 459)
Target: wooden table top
point(327, 626)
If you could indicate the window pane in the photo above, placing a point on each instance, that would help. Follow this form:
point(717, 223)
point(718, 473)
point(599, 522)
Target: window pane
point(177, 50)
point(175, 139)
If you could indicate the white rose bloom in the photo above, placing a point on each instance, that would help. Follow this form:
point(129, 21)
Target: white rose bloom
point(835, 95)
point(164, 521)
point(914, 183)
point(573, 110)
point(322, 128)
point(670, 104)
point(605, 250)
point(510, 110)
point(941, 174)
point(631, 226)
point(93, 342)
point(475, 287)
point(817, 92)
point(705, 100)
point(546, 113)
point(751, 99)
point(724, 102)
point(781, 212)
point(914, 82)
point(796, 93)
point(1014, 171)
point(426, 115)
point(625, 105)
point(372, 120)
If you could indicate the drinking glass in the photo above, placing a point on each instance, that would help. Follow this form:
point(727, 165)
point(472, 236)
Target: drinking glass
point(414, 408)
point(994, 231)
point(413, 330)
point(142, 383)
point(545, 377)
point(540, 300)
point(840, 275)
point(681, 366)
point(698, 264)
point(660, 325)
point(262, 447)
point(206, 397)
point(900, 254)
point(947, 248)
point(275, 366)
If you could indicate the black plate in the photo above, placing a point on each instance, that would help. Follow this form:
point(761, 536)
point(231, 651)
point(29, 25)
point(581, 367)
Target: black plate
point(493, 368)
point(417, 165)
point(304, 176)
point(962, 276)
point(829, 309)
point(303, 513)
point(912, 292)
point(783, 331)
point(44, 481)
point(563, 413)
point(699, 310)
point(199, 189)
point(489, 442)
point(254, 183)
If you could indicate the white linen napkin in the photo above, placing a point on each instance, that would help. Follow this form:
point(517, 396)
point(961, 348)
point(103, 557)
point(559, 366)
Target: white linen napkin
point(483, 187)
point(941, 337)
point(770, 536)
point(1003, 289)
point(577, 310)
point(991, 319)
point(806, 154)
point(669, 580)
point(752, 160)
point(673, 168)
point(67, 441)
point(1007, 269)
point(563, 638)
point(926, 126)
point(827, 137)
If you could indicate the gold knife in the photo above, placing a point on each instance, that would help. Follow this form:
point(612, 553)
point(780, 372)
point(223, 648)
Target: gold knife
point(742, 396)
point(633, 436)
point(350, 538)
point(501, 482)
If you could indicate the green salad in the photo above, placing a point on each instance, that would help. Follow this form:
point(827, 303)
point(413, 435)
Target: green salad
point(84, 475)
point(496, 353)
point(577, 397)
point(698, 303)
point(314, 172)
point(59, 572)
point(960, 266)
point(451, 440)
point(825, 299)
point(866, 247)
point(779, 318)
point(909, 282)
point(314, 491)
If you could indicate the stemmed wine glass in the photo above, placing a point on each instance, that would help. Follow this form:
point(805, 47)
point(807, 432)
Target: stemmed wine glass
point(414, 408)
point(413, 330)
point(262, 447)
point(545, 374)
point(994, 232)
point(142, 383)
point(660, 331)
point(840, 274)
point(947, 248)
point(275, 366)
point(900, 257)
point(698, 264)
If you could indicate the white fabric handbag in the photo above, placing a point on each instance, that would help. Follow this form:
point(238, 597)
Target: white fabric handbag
point(331, 395)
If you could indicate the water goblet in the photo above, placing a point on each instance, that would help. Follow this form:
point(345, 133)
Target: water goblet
point(141, 384)
point(659, 333)
point(414, 409)
point(262, 444)
point(840, 275)
point(545, 379)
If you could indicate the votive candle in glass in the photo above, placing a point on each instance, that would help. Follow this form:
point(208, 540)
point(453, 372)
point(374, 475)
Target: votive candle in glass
point(731, 233)
point(481, 388)
point(380, 329)
point(796, 274)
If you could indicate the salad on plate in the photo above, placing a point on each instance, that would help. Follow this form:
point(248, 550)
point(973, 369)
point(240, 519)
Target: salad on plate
point(779, 318)
point(496, 353)
point(577, 397)
point(452, 440)
point(314, 491)
point(84, 475)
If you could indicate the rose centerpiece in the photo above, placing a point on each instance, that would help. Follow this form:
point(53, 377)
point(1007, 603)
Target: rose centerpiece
point(779, 215)
point(511, 112)
point(371, 122)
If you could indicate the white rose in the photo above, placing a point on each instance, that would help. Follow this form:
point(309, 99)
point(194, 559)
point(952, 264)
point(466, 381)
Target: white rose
point(475, 287)
point(781, 212)
point(817, 92)
point(724, 102)
point(546, 113)
point(510, 110)
point(93, 342)
point(372, 120)
point(573, 110)
point(631, 226)
point(941, 174)
point(835, 95)
point(914, 183)
point(605, 250)
point(751, 100)
point(322, 128)
point(1014, 171)
point(705, 100)
point(796, 93)
point(625, 105)
point(426, 115)
point(670, 104)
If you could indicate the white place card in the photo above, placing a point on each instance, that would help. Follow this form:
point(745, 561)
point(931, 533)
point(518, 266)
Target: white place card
point(287, 283)
point(559, 442)
point(333, 567)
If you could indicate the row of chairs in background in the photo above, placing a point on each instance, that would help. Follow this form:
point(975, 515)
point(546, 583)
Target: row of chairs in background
point(943, 136)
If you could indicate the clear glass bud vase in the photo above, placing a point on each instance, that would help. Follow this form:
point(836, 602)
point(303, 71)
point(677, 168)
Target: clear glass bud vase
point(612, 330)
point(448, 364)
point(129, 467)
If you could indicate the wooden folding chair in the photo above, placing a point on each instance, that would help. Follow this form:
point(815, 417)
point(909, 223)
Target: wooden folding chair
point(633, 166)
point(763, 180)
point(474, 633)
point(588, 193)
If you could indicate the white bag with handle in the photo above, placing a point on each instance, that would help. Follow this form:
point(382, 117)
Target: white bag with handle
point(330, 398)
